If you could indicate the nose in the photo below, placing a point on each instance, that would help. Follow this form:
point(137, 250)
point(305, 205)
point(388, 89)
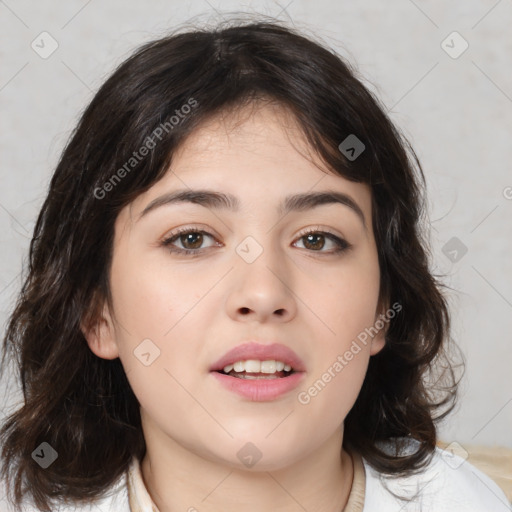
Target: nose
point(262, 287)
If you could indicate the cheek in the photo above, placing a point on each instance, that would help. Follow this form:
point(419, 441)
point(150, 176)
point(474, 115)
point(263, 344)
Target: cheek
point(348, 310)
point(158, 315)
point(152, 298)
point(334, 384)
point(330, 392)
point(349, 306)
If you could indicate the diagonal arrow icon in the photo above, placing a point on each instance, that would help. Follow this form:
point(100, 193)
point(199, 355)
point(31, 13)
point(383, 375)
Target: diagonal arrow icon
point(44, 455)
point(351, 147)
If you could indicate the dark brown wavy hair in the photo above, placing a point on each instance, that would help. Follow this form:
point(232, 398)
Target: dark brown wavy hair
point(82, 405)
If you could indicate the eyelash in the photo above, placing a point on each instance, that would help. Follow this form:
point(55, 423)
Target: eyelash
point(342, 244)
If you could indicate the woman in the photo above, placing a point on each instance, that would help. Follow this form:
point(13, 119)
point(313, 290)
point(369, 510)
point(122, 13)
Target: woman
point(229, 301)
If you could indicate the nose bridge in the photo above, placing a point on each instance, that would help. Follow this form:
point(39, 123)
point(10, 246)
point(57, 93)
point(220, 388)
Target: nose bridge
point(262, 276)
point(261, 248)
point(260, 244)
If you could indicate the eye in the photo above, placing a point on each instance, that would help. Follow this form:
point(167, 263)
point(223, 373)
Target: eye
point(315, 239)
point(192, 239)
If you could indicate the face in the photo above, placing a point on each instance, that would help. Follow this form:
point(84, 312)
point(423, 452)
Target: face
point(249, 275)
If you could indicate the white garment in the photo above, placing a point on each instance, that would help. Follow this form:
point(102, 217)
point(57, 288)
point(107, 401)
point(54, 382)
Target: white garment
point(447, 484)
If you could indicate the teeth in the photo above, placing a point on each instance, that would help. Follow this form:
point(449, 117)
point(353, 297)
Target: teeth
point(253, 377)
point(252, 366)
point(255, 366)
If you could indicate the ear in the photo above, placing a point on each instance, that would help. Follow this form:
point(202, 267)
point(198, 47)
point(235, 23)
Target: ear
point(381, 323)
point(100, 335)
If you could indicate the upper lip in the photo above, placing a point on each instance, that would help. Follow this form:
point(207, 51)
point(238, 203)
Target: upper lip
point(253, 350)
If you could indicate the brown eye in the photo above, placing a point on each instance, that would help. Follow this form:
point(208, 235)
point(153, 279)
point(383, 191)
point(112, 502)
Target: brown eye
point(190, 239)
point(316, 240)
point(195, 239)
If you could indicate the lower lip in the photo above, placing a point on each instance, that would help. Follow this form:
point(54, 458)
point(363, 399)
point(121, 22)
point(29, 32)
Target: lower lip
point(260, 390)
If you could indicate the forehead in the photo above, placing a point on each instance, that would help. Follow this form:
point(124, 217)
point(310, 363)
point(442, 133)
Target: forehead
point(258, 154)
point(247, 126)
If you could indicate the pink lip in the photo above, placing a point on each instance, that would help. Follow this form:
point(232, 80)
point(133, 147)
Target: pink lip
point(252, 350)
point(260, 390)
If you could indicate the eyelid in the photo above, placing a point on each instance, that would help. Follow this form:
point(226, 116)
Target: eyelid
point(344, 246)
point(208, 230)
point(322, 229)
point(184, 229)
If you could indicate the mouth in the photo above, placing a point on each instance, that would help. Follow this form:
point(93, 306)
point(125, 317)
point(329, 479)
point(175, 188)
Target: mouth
point(259, 372)
point(256, 358)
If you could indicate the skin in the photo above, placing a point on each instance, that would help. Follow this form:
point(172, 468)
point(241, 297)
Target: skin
point(195, 309)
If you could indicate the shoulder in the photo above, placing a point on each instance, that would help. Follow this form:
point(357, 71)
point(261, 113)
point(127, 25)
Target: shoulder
point(448, 483)
point(115, 499)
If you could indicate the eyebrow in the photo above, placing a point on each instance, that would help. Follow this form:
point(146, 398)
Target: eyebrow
point(219, 200)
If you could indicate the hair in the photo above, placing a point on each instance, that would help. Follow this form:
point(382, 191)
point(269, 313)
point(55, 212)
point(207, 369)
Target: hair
point(83, 405)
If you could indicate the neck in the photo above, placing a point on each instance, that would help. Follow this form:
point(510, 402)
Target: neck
point(180, 479)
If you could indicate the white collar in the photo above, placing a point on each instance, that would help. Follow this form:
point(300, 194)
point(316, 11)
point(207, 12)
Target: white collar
point(140, 500)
